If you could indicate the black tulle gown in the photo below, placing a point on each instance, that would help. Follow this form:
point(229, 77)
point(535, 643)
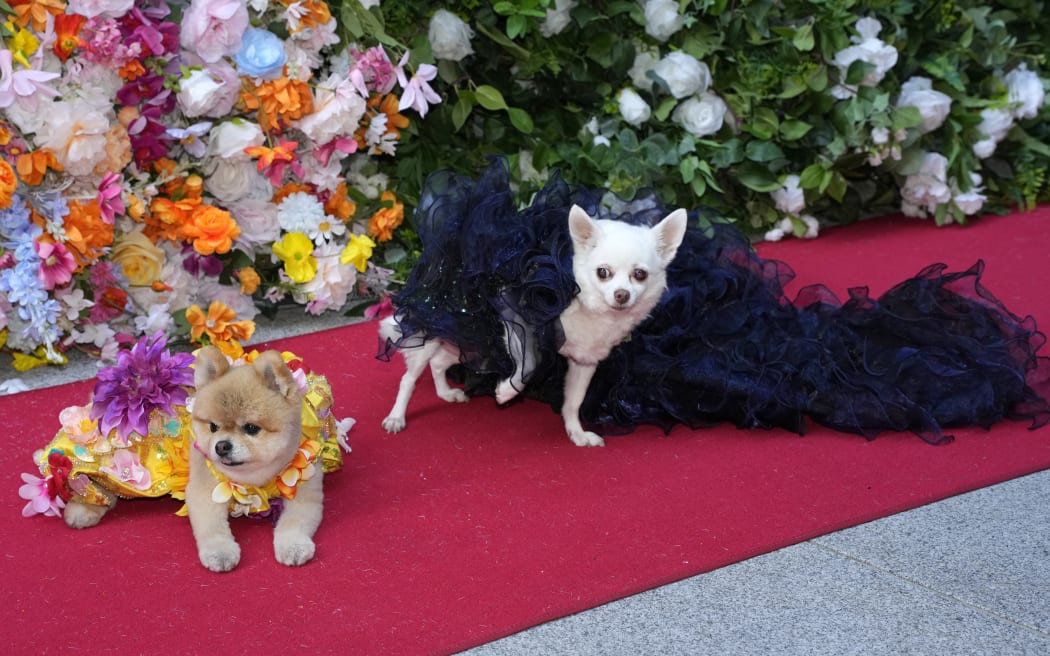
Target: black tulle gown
point(724, 344)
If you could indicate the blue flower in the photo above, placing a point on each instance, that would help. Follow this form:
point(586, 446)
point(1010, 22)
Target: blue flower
point(261, 55)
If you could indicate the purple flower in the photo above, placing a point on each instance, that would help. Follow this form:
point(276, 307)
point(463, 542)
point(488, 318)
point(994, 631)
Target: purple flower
point(144, 379)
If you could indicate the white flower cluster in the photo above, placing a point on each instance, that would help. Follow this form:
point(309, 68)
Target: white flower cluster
point(449, 36)
point(700, 112)
point(866, 48)
point(791, 200)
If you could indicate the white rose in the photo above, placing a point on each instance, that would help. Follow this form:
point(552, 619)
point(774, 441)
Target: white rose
point(338, 109)
point(701, 115)
point(230, 138)
point(105, 8)
point(684, 74)
point(933, 106)
point(644, 61)
point(994, 125)
point(1025, 90)
point(236, 179)
point(662, 19)
point(926, 190)
point(257, 220)
point(449, 36)
point(790, 199)
point(633, 109)
point(557, 19)
point(868, 48)
point(211, 91)
point(972, 201)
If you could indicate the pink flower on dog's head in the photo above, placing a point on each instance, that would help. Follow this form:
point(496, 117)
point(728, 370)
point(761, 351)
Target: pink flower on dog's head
point(213, 28)
point(127, 468)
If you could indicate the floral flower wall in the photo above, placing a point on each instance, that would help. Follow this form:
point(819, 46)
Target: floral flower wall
point(183, 167)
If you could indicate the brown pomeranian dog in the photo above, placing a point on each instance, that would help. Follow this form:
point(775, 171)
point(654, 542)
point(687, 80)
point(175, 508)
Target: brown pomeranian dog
point(248, 425)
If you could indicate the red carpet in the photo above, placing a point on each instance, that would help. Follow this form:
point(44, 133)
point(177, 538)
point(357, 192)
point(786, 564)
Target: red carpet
point(478, 522)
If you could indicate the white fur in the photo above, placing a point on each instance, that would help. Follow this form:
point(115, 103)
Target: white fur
point(621, 272)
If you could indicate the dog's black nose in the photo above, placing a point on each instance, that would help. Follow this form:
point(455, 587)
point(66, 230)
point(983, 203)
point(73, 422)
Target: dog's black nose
point(622, 296)
point(223, 448)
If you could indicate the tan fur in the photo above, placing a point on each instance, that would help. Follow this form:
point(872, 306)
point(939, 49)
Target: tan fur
point(229, 404)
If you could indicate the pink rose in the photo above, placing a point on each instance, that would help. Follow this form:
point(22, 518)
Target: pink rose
point(213, 28)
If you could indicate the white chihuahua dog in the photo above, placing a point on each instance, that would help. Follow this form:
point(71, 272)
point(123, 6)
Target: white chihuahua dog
point(621, 272)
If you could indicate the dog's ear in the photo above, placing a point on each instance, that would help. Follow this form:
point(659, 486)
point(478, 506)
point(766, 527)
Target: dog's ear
point(582, 228)
point(276, 375)
point(211, 364)
point(669, 234)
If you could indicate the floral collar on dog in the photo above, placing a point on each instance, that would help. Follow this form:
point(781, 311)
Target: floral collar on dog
point(254, 500)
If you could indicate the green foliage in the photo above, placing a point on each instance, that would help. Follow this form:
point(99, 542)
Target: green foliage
point(549, 100)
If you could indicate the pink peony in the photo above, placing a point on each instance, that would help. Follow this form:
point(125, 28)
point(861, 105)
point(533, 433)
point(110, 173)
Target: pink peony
point(213, 28)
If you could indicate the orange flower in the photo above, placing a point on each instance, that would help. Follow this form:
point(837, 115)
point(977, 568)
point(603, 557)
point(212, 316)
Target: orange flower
point(316, 12)
point(5, 135)
point(166, 220)
point(288, 189)
point(386, 220)
point(33, 166)
point(132, 70)
point(249, 278)
point(300, 469)
point(395, 122)
point(279, 102)
point(339, 204)
point(86, 233)
point(67, 34)
point(218, 324)
point(213, 230)
point(8, 184)
point(36, 11)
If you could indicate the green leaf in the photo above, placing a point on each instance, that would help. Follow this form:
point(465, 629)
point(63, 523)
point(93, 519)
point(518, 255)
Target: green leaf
point(857, 70)
point(764, 124)
point(460, 113)
point(763, 151)
point(520, 119)
point(517, 25)
point(836, 187)
point(757, 177)
point(490, 98)
point(803, 39)
point(663, 110)
point(794, 129)
point(812, 176)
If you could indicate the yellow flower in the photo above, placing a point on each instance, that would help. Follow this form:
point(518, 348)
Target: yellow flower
point(357, 251)
point(22, 45)
point(296, 251)
point(141, 261)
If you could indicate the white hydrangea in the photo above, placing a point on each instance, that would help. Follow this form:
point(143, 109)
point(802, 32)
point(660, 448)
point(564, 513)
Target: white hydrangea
point(558, 18)
point(1025, 90)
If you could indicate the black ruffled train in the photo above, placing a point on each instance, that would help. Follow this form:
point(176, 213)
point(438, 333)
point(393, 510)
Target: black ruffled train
point(724, 343)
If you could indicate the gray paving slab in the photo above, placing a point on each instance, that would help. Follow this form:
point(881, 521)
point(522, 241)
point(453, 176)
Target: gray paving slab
point(965, 576)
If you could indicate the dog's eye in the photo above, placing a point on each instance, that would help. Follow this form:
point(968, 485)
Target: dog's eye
point(251, 429)
point(603, 273)
point(213, 428)
point(640, 274)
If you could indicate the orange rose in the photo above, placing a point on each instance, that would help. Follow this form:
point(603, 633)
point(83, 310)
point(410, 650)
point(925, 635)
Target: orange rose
point(213, 230)
point(8, 184)
point(386, 220)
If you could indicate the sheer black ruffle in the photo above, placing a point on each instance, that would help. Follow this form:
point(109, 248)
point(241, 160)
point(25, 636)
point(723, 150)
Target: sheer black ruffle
point(725, 343)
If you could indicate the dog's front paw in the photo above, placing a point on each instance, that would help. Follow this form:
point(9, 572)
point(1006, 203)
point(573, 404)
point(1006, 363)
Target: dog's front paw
point(505, 391)
point(454, 395)
point(586, 438)
point(293, 550)
point(220, 556)
point(394, 424)
point(83, 515)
